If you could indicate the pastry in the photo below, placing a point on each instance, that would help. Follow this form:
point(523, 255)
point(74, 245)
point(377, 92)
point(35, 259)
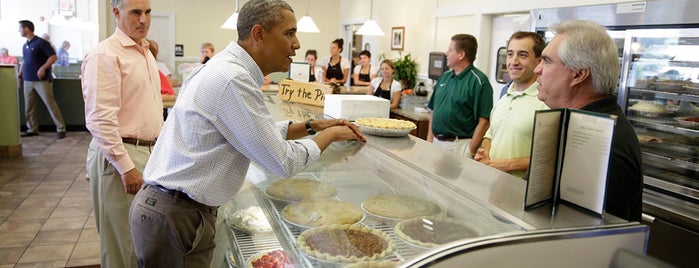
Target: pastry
point(319, 212)
point(399, 207)
point(387, 123)
point(276, 259)
point(345, 243)
point(430, 231)
point(250, 220)
point(296, 189)
point(648, 109)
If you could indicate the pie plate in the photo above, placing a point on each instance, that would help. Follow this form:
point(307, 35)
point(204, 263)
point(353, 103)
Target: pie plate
point(385, 132)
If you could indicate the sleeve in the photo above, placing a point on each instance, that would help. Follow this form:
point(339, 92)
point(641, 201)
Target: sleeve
point(344, 63)
point(47, 49)
point(395, 87)
point(165, 87)
point(357, 69)
point(373, 70)
point(324, 62)
point(101, 85)
point(485, 100)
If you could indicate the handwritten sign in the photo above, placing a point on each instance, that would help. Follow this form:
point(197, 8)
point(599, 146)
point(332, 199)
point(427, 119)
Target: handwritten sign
point(303, 92)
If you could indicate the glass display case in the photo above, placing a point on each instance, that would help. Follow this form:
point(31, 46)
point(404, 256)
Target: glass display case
point(483, 204)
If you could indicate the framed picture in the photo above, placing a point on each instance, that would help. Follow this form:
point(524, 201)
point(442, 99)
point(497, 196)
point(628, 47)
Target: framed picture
point(397, 38)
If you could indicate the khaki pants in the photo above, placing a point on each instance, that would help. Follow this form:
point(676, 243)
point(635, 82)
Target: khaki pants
point(111, 205)
point(45, 91)
point(171, 230)
point(460, 147)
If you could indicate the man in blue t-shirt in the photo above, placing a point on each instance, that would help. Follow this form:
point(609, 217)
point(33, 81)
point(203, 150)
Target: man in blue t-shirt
point(36, 72)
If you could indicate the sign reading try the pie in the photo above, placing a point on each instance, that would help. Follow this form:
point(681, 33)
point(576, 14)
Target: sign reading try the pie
point(303, 92)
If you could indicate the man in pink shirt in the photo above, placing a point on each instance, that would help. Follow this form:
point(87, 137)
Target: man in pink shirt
point(123, 112)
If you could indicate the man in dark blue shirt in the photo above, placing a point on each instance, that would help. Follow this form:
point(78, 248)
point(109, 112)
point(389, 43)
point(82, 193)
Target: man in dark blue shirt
point(36, 72)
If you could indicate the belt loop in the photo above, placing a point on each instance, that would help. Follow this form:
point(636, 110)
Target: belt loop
point(137, 142)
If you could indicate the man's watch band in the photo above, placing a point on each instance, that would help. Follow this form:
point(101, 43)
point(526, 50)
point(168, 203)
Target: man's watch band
point(309, 129)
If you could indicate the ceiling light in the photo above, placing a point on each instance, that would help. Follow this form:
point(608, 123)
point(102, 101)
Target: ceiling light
point(306, 24)
point(232, 21)
point(370, 27)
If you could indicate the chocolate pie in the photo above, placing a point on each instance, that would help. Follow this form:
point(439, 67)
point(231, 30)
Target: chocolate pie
point(430, 231)
point(345, 243)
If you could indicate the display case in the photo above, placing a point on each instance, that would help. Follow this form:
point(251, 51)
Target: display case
point(488, 202)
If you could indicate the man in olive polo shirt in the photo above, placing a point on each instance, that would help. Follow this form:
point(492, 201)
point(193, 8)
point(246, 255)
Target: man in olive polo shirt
point(461, 101)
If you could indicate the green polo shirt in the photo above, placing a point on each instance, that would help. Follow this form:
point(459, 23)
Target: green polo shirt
point(512, 123)
point(458, 100)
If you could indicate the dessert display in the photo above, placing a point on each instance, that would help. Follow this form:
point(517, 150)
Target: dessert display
point(430, 231)
point(249, 220)
point(345, 243)
point(374, 264)
point(385, 126)
point(318, 212)
point(648, 109)
point(688, 122)
point(272, 259)
point(647, 138)
point(399, 207)
point(297, 189)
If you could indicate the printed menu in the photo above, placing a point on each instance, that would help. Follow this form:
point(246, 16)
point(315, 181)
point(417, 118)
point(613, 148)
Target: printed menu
point(569, 159)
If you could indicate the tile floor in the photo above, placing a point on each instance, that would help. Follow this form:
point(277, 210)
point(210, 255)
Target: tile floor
point(46, 217)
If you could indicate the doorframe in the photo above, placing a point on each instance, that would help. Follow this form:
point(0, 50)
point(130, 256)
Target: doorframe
point(170, 42)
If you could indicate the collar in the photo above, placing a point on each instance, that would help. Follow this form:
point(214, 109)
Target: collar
point(248, 62)
point(530, 91)
point(604, 104)
point(126, 41)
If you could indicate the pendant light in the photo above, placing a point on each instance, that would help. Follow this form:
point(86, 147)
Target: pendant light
point(370, 27)
point(232, 21)
point(306, 23)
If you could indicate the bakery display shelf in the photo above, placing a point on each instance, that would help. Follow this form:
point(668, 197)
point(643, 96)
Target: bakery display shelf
point(674, 159)
point(663, 124)
point(245, 245)
point(684, 94)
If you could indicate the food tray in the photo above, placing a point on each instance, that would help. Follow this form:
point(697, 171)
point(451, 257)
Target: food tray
point(385, 132)
point(687, 124)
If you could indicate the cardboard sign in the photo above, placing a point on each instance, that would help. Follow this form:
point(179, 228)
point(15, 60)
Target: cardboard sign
point(303, 92)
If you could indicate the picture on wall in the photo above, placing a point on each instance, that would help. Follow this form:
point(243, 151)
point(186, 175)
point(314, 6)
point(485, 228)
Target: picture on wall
point(397, 38)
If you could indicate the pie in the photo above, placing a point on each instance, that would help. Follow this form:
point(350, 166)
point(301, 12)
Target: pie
point(250, 220)
point(345, 243)
point(297, 189)
point(318, 212)
point(388, 123)
point(430, 231)
point(399, 206)
point(374, 264)
point(275, 258)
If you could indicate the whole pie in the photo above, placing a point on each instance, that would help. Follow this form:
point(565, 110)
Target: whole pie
point(296, 189)
point(345, 243)
point(399, 206)
point(322, 211)
point(431, 232)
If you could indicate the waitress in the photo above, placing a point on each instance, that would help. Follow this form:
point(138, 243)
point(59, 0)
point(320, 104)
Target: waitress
point(384, 86)
point(364, 72)
point(335, 68)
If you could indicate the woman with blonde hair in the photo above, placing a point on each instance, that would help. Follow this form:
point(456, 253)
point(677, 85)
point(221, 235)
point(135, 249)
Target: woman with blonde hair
point(207, 51)
point(385, 86)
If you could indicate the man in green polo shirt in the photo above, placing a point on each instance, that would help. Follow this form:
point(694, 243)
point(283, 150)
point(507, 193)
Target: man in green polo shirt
point(461, 101)
point(507, 143)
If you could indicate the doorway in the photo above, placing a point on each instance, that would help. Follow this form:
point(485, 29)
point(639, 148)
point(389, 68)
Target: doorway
point(162, 30)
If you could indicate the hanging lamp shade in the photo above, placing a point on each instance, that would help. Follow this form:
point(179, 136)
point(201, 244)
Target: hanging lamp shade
point(306, 25)
point(370, 27)
point(231, 22)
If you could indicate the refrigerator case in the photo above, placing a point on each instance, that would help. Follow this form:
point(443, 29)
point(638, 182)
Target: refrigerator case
point(486, 200)
point(659, 89)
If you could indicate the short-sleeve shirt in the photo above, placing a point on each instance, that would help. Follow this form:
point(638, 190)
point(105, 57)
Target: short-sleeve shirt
point(458, 100)
point(372, 69)
point(35, 53)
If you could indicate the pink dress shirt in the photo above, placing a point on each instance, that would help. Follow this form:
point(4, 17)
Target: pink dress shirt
point(119, 73)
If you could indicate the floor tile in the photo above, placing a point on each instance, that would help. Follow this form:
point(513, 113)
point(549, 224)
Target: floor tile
point(11, 255)
point(56, 237)
point(87, 250)
point(56, 224)
point(47, 253)
point(31, 214)
point(31, 225)
point(46, 264)
point(72, 262)
point(16, 239)
point(75, 202)
point(37, 201)
point(89, 235)
point(73, 212)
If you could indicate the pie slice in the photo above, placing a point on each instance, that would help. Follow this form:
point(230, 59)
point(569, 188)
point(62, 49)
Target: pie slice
point(296, 189)
point(399, 206)
point(322, 211)
point(345, 243)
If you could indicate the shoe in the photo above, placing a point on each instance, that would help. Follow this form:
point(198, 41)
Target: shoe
point(60, 135)
point(28, 134)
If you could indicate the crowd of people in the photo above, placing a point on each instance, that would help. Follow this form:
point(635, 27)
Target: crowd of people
point(155, 203)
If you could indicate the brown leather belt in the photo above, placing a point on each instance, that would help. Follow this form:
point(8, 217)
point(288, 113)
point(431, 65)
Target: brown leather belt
point(138, 142)
point(443, 137)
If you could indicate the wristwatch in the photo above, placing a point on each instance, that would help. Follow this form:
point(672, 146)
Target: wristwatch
point(309, 129)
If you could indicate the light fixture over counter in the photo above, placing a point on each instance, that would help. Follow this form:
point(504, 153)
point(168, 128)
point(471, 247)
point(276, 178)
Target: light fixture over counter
point(370, 27)
point(306, 24)
point(232, 21)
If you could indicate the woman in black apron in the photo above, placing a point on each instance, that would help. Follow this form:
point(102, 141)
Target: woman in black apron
point(335, 72)
point(385, 86)
point(311, 56)
point(364, 73)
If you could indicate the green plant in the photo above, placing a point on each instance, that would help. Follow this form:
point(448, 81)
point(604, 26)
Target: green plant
point(406, 70)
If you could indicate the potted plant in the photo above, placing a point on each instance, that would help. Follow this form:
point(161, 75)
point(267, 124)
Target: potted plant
point(406, 71)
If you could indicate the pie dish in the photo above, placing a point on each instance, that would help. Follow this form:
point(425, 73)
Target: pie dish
point(399, 207)
point(321, 211)
point(374, 264)
point(688, 122)
point(385, 126)
point(297, 189)
point(430, 232)
point(345, 243)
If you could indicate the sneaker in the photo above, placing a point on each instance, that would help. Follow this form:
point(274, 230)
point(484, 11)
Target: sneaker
point(28, 134)
point(60, 135)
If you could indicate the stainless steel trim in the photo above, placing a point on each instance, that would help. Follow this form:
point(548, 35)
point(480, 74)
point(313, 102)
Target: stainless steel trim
point(647, 218)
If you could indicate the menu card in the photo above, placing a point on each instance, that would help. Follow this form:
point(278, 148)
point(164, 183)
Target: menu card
point(570, 159)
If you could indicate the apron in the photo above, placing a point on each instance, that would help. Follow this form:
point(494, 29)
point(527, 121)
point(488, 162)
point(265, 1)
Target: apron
point(386, 94)
point(364, 77)
point(335, 71)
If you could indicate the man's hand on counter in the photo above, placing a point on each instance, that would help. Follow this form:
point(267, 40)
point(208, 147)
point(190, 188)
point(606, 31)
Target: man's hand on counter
point(324, 124)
